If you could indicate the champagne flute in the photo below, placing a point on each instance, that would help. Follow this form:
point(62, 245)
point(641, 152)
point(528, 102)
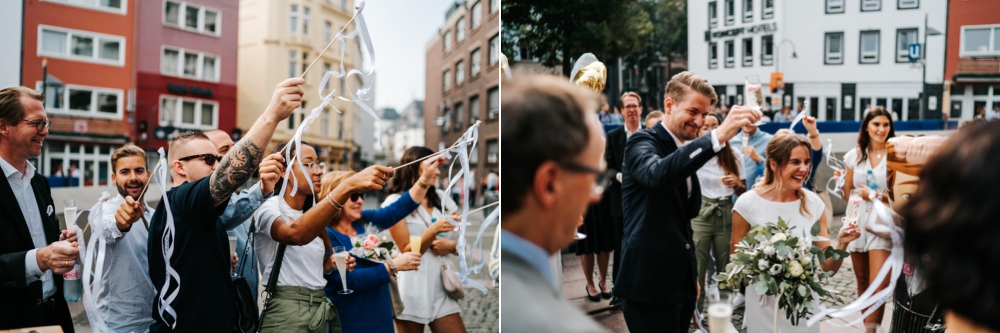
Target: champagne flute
point(69, 212)
point(232, 245)
point(753, 95)
point(340, 256)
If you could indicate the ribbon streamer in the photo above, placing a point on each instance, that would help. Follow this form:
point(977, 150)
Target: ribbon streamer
point(798, 118)
point(835, 164)
point(893, 265)
point(93, 272)
point(167, 245)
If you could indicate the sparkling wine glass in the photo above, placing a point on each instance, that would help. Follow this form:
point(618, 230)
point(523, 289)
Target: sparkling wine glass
point(753, 95)
point(340, 256)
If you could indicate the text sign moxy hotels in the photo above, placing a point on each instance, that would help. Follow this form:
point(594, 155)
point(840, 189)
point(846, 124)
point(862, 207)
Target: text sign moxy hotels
point(913, 52)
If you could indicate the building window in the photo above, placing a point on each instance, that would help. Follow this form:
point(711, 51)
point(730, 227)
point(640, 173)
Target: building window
point(324, 125)
point(713, 15)
point(81, 45)
point(460, 30)
point(871, 5)
point(305, 62)
point(905, 37)
point(492, 151)
point(477, 14)
point(747, 11)
point(834, 48)
point(446, 116)
point(305, 20)
point(494, 6)
point(196, 18)
point(459, 72)
point(327, 32)
point(713, 55)
point(188, 112)
point(302, 116)
point(868, 52)
point(474, 155)
point(907, 4)
point(494, 106)
point(834, 6)
point(730, 12)
point(447, 79)
point(293, 19)
point(293, 63)
point(473, 109)
point(343, 4)
point(459, 116)
point(83, 101)
point(92, 160)
point(189, 64)
point(447, 41)
point(730, 54)
point(115, 6)
point(980, 40)
point(340, 126)
point(767, 10)
point(747, 52)
point(476, 60)
point(767, 50)
point(495, 50)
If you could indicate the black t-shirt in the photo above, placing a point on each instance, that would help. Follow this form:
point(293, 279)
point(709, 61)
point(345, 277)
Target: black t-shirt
point(205, 302)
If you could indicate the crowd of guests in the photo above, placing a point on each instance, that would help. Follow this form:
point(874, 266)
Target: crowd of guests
point(176, 272)
point(672, 197)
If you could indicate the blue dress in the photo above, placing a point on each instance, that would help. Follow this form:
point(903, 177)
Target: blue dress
point(369, 308)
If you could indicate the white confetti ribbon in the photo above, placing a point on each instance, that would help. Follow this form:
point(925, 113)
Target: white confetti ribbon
point(798, 118)
point(835, 164)
point(93, 264)
point(160, 174)
point(462, 148)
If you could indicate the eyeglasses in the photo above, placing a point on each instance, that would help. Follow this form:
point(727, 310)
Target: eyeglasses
point(631, 107)
point(210, 159)
point(602, 177)
point(40, 124)
point(357, 196)
point(314, 167)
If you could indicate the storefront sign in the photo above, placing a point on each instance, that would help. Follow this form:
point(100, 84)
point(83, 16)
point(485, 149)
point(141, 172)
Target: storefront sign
point(765, 28)
point(183, 89)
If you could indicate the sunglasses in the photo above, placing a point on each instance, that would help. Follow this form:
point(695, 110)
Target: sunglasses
point(357, 196)
point(210, 159)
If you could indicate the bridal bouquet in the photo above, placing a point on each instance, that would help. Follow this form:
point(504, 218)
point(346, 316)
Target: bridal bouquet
point(372, 245)
point(781, 265)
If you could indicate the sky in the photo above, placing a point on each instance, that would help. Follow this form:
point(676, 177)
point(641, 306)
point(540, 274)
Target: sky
point(400, 31)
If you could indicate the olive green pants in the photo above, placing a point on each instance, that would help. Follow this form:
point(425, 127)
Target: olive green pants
point(300, 309)
point(713, 229)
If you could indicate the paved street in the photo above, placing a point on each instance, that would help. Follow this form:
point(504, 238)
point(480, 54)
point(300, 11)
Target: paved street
point(574, 286)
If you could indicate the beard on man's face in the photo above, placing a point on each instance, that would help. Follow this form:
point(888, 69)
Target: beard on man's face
point(130, 188)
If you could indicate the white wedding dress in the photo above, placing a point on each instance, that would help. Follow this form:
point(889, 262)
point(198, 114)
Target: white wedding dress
point(757, 211)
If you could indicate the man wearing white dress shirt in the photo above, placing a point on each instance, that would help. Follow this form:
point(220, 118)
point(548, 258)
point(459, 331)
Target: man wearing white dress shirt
point(34, 254)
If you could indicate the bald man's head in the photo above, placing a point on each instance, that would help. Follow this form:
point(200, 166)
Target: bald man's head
point(222, 141)
point(185, 146)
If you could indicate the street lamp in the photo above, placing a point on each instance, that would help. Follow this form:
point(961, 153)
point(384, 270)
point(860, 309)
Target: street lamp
point(776, 59)
point(928, 31)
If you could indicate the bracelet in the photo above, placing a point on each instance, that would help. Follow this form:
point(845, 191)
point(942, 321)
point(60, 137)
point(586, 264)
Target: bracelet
point(813, 136)
point(333, 202)
point(422, 185)
point(391, 267)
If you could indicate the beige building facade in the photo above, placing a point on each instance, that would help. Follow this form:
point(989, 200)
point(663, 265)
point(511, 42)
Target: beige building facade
point(278, 39)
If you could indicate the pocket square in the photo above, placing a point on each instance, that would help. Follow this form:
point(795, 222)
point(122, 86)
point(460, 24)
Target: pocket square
point(695, 153)
point(49, 210)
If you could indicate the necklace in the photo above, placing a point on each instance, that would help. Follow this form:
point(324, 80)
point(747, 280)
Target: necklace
point(878, 154)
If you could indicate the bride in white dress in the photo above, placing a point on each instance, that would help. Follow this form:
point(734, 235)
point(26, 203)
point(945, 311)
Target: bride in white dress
point(781, 195)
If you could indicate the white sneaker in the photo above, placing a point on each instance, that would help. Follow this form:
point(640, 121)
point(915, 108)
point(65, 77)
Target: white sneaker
point(738, 301)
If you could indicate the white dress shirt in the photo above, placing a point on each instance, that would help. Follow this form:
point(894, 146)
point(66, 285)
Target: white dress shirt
point(20, 183)
point(126, 289)
point(716, 146)
point(710, 174)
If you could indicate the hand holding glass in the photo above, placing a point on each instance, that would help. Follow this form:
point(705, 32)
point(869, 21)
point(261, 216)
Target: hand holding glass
point(340, 256)
point(754, 95)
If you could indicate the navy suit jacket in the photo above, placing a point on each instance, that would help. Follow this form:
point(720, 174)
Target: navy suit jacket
point(658, 255)
point(18, 300)
point(614, 154)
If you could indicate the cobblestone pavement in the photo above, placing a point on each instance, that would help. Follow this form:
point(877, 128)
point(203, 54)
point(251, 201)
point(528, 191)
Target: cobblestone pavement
point(843, 283)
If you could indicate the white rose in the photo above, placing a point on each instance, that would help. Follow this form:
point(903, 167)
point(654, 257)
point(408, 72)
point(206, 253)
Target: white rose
point(795, 269)
point(769, 250)
point(777, 237)
point(762, 264)
point(805, 260)
point(775, 269)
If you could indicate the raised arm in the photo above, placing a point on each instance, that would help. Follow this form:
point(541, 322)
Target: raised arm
point(243, 159)
point(312, 223)
point(243, 204)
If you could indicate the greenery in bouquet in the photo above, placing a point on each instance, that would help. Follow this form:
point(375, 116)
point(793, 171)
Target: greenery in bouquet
point(782, 265)
point(373, 245)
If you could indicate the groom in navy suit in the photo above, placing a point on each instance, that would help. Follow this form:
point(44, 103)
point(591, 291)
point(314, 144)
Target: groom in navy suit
point(660, 196)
